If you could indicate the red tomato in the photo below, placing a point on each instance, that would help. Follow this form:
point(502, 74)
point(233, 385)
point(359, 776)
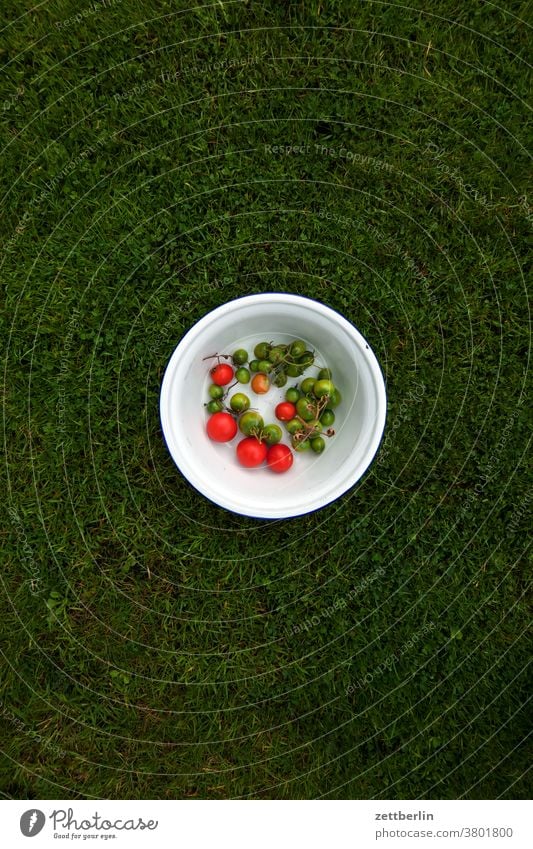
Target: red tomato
point(251, 452)
point(285, 411)
point(221, 374)
point(260, 383)
point(279, 458)
point(221, 427)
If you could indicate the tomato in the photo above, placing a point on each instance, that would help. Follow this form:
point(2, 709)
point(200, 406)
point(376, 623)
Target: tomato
point(221, 427)
point(221, 374)
point(323, 387)
point(250, 422)
point(240, 357)
point(272, 434)
point(260, 383)
point(215, 392)
point(239, 402)
point(335, 398)
point(307, 385)
point(294, 370)
point(306, 409)
point(297, 348)
point(294, 426)
point(261, 350)
point(285, 411)
point(279, 458)
point(292, 394)
point(251, 452)
point(300, 444)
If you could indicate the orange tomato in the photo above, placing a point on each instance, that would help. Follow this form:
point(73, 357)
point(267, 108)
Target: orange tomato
point(260, 383)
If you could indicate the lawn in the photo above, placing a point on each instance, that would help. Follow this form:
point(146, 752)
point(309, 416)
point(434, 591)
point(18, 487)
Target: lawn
point(158, 160)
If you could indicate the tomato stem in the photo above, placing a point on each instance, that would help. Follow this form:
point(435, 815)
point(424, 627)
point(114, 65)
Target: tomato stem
point(218, 356)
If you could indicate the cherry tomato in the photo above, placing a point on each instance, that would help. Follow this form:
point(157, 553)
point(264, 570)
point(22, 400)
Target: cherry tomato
point(294, 426)
point(301, 444)
point(307, 385)
point(260, 383)
point(297, 348)
point(323, 387)
point(276, 354)
point(318, 444)
point(262, 350)
point(215, 392)
point(306, 409)
point(285, 411)
point(250, 422)
point(306, 360)
point(221, 374)
point(251, 452)
point(240, 357)
point(335, 398)
point(279, 458)
point(292, 395)
point(294, 371)
point(221, 427)
point(272, 434)
point(327, 418)
point(239, 402)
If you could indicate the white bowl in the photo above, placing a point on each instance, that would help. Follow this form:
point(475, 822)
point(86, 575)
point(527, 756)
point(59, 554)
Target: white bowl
point(313, 480)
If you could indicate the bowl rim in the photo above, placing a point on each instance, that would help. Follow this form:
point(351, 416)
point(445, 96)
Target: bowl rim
point(295, 300)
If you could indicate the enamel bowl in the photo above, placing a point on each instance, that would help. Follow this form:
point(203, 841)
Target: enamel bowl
point(313, 480)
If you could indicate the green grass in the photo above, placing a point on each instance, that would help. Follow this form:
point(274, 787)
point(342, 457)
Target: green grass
point(155, 646)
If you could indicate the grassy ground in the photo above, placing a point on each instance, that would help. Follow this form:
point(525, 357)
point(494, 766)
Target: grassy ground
point(153, 644)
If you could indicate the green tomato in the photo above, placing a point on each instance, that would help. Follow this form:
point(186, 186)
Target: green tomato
point(327, 418)
point(242, 375)
point(280, 379)
point(265, 366)
point(262, 350)
point(297, 348)
point(335, 398)
point(239, 402)
point(317, 427)
point(250, 421)
point(323, 387)
point(300, 445)
point(294, 371)
point(292, 395)
point(254, 365)
point(216, 392)
point(307, 385)
point(275, 355)
point(272, 434)
point(240, 357)
point(324, 374)
point(215, 407)
point(293, 426)
point(307, 359)
point(306, 409)
point(318, 444)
